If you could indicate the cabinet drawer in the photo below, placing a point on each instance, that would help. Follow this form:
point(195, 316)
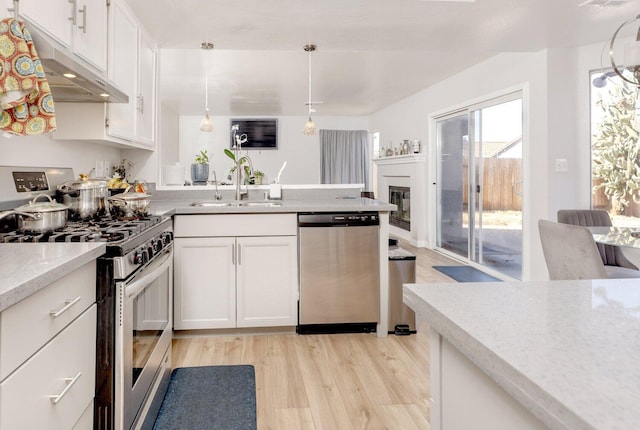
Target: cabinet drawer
point(264, 224)
point(65, 368)
point(28, 325)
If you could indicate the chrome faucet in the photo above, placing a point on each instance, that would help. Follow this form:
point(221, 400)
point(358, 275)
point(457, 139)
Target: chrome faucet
point(217, 195)
point(237, 147)
point(242, 194)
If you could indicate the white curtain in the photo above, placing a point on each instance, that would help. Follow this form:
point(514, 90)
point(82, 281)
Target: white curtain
point(344, 157)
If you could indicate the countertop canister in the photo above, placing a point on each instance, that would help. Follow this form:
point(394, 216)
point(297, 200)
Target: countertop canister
point(415, 146)
point(174, 174)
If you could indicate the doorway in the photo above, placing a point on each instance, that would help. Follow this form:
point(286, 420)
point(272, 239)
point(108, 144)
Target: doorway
point(479, 184)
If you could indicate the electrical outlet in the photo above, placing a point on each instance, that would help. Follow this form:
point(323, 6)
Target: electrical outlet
point(100, 169)
point(562, 165)
point(108, 171)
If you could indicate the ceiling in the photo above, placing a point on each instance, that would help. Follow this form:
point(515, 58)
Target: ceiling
point(371, 53)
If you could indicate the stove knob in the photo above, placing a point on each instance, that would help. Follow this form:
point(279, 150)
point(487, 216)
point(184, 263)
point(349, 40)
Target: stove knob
point(167, 237)
point(150, 251)
point(157, 245)
point(141, 257)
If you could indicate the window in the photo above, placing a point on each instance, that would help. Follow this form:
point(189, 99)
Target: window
point(615, 166)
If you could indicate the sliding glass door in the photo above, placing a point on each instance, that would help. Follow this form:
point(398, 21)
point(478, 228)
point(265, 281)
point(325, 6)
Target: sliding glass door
point(479, 184)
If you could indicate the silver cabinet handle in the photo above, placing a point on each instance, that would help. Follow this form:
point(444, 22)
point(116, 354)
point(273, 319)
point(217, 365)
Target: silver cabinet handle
point(15, 9)
point(66, 307)
point(55, 398)
point(239, 254)
point(83, 11)
point(73, 18)
point(233, 254)
point(141, 103)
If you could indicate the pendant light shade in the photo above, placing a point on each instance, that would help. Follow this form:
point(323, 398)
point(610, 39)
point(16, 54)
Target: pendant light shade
point(310, 127)
point(206, 124)
point(630, 60)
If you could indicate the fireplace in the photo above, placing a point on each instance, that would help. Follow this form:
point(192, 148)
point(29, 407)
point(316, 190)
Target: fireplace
point(401, 197)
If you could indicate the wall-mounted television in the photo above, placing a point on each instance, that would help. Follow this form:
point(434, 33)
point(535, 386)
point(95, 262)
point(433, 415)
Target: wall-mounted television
point(262, 133)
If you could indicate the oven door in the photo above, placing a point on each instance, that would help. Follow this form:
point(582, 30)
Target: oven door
point(143, 336)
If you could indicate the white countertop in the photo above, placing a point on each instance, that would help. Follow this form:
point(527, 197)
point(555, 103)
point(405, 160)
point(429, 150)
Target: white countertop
point(183, 207)
point(569, 351)
point(26, 268)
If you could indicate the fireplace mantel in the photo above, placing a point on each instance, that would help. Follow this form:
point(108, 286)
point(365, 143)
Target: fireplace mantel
point(406, 171)
point(400, 159)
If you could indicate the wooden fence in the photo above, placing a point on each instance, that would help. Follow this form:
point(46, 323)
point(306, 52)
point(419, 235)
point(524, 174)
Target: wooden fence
point(600, 201)
point(502, 189)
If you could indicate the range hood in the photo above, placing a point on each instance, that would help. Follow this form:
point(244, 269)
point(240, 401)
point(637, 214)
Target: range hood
point(86, 87)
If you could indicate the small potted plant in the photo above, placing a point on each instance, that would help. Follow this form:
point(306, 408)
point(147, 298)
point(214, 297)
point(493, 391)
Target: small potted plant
point(122, 169)
point(200, 168)
point(258, 175)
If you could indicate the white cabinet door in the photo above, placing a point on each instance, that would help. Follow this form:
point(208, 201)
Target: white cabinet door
point(145, 110)
point(53, 388)
point(267, 285)
point(204, 283)
point(90, 32)
point(123, 71)
point(133, 69)
point(53, 17)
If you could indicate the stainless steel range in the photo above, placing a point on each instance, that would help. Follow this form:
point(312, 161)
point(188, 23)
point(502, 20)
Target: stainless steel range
point(134, 285)
point(135, 281)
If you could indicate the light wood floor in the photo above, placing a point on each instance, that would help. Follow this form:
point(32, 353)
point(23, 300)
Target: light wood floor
point(330, 382)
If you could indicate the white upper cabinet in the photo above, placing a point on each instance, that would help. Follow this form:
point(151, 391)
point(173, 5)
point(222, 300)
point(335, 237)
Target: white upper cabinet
point(90, 32)
point(123, 71)
point(79, 25)
point(132, 68)
point(53, 17)
point(146, 102)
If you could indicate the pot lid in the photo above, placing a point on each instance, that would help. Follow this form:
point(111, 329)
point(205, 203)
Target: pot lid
point(39, 207)
point(84, 183)
point(129, 195)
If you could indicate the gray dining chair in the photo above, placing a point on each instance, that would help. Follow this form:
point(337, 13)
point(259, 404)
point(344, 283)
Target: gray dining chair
point(611, 255)
point(571, 253)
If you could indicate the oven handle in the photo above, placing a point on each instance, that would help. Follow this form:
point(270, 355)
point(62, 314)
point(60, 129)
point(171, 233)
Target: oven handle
point(156, 267)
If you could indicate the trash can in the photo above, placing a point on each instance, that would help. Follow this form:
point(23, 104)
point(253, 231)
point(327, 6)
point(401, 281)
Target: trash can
point(402, 270)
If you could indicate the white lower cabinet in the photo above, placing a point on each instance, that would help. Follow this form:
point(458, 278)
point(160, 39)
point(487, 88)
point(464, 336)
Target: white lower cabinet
point(234, 281)
point(48, 356)
point(53, 388)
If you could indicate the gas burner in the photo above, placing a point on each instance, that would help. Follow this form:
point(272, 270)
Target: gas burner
point(105, 229)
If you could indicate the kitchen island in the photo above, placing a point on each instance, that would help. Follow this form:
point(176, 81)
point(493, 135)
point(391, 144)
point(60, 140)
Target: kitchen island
point(557, 354)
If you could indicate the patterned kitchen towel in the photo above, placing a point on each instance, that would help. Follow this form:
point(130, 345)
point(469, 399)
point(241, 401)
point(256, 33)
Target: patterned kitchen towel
point(25, 96)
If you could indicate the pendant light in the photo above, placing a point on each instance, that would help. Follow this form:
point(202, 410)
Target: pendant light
point(631, 55)
point(206, 124)
point(310, 127)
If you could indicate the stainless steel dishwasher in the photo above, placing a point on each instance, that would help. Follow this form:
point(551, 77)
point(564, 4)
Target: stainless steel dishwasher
point(339, 272)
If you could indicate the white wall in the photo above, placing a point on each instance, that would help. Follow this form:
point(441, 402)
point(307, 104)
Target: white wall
point(302, 153)
point(43, 151)
point(556, 109)
point(410, 119)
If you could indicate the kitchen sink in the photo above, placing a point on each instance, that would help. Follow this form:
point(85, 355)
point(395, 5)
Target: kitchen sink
point(261, 204)
point(213, 204)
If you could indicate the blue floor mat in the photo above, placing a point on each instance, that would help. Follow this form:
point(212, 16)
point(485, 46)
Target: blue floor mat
point(466, 274)
point(211, 398)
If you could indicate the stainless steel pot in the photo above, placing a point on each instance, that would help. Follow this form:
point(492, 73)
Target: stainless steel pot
point(129, 205)
point(39, 217)
point(87, 198)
